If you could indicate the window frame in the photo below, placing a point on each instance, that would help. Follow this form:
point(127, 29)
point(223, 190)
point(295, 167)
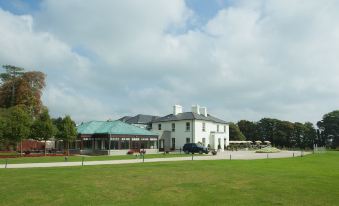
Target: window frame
point(188, 127)
point(173, 127)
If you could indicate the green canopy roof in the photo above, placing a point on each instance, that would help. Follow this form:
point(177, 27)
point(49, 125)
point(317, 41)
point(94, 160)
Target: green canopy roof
point(111, 127)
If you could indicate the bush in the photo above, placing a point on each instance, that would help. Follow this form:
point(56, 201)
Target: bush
point(268, 150)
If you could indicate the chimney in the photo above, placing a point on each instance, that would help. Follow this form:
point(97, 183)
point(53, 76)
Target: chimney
point(177, 109)
point(196, 109)
point(203, 111)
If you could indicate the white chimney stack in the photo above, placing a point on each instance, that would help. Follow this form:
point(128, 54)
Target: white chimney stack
point(177, 109)
point(196, 109)
point(203, 111)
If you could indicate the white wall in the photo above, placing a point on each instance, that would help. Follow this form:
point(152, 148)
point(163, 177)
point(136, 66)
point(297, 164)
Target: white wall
point(180, 134)
point(211, 134)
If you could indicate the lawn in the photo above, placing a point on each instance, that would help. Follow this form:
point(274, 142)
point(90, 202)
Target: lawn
point(86, 158)
point(310, 180)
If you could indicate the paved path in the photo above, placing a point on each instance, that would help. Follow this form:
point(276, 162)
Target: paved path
point(226, 155)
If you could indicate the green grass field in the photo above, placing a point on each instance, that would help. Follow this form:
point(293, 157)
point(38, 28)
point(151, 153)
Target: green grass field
point(310, 180)
point(86, 158)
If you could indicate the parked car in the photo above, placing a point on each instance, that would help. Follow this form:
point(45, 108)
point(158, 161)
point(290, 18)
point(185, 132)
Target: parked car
point(195, 148)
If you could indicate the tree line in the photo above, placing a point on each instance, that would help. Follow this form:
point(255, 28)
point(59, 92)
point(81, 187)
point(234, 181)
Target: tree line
point(289, 134)
point(22, 114)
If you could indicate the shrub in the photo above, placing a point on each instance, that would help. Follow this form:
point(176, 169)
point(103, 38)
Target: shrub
point(268, 150)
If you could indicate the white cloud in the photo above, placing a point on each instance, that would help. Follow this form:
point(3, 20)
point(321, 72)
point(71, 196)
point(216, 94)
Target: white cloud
point(253, 59)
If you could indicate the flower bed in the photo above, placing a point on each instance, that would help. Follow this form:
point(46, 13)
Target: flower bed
point(15, 155)
point(268, 150)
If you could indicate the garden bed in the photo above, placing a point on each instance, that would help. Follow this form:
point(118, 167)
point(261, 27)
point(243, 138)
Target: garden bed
point(268, 150)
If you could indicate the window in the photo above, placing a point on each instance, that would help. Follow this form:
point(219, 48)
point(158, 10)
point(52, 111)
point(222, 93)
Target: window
point(173, 143)
point(114, 143)
point(173, 127)
point(159, 126)
point(188, 140)
point(188, 126)
point(204, 141)
point(224, 128)
point(153, 143)
point(217, 128)
point(203, 126)
point(124, 143)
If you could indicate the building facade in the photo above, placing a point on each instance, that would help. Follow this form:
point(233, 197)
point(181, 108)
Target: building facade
point(115, 138)
point(197, 126)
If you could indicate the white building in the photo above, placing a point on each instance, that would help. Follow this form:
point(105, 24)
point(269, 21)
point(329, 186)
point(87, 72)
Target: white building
point(196, 126)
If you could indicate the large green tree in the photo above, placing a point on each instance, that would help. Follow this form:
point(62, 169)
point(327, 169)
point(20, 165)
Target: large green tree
point(235, 133)
point(43, 128)
point(329, 128)
point(310, 135)
point(283, 133)
point(249, 129)
point(267, 129)
point(66, 130)
point(18, 125)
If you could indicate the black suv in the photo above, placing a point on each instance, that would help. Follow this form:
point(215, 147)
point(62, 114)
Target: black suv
point(194, 148)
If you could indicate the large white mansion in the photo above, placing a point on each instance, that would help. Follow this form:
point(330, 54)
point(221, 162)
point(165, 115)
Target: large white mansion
point(196, 126)
point(176, 129)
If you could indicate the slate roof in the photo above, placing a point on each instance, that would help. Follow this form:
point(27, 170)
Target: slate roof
point(111, 127)
point(123, 119)
point(189, 116)
point(139, 119)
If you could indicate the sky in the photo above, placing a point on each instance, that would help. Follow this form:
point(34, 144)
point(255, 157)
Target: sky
point(244, 59)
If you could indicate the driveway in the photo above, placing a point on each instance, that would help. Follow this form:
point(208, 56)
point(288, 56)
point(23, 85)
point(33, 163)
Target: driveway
point(226, 155)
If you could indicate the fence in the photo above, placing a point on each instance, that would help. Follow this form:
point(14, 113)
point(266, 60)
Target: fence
point(319, 149)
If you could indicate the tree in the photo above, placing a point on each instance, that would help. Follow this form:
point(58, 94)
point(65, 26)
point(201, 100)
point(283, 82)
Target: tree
point(235, 133)
point(310, 135)
point(21, 88)
point(282, 133)
point(249, 129)
point(3, 124)
point(266, 129)
point(66, 130)
point(30, 90)
point(43, 128)
point(18, 125)
point(9, 83)
point(329, 128)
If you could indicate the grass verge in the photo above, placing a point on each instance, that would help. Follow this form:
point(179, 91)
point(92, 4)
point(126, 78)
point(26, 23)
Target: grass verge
point(311, 180)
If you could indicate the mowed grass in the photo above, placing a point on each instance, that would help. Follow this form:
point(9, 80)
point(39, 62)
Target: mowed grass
point(86, 158)
point(310, 180)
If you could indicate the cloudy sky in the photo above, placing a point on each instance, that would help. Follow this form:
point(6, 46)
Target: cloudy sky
point(242, 59)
